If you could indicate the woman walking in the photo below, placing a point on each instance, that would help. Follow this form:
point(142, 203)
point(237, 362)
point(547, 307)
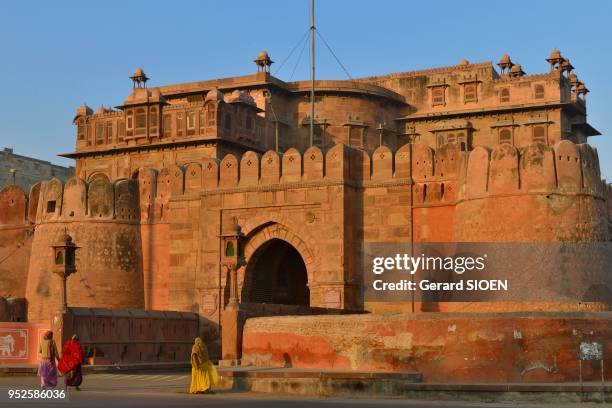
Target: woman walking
point(71, 362)
point(47, 354)
point(203, 373)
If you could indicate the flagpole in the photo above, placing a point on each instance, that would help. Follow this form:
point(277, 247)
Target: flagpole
point(312, 72)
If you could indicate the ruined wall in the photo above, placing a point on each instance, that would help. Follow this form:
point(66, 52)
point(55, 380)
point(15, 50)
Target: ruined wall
point(102, 218)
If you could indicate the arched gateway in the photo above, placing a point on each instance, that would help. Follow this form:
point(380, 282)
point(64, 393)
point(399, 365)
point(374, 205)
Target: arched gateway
point(276, 273)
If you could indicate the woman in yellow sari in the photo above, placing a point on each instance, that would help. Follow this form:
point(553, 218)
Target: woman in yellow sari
point(203, 373)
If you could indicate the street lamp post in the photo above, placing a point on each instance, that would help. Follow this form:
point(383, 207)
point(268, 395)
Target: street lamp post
point(64, 265)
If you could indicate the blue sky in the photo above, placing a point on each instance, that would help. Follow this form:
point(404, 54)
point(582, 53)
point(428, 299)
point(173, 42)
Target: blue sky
point(57, 55)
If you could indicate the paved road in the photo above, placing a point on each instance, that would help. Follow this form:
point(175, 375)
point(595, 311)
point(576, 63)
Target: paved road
point(170, 390)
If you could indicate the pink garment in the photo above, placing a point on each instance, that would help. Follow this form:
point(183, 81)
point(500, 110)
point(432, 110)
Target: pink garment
point(47, 372)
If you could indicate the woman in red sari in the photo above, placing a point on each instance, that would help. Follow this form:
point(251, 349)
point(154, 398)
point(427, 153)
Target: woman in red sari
point(71, 361)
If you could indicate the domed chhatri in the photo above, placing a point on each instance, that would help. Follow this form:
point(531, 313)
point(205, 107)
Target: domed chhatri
point(242, 97)
point(214, 95)
point(263, 62)
point(139, 78)
point(505, 63)
point(516, 71)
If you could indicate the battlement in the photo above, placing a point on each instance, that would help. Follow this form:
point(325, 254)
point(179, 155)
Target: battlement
point(445, 176)
point(450, 175)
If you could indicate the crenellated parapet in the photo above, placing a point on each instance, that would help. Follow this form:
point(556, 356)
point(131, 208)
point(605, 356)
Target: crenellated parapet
point(566, 169)
point(75, 200)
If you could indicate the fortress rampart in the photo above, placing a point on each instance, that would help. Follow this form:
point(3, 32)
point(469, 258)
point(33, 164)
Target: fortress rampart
point(144, 238)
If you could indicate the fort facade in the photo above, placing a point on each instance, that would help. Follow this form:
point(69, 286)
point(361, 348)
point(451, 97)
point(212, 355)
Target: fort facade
point(195, 196)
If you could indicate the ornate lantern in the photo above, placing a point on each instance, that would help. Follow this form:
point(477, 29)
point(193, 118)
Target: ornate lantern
point(64, 265)
point(231, 258)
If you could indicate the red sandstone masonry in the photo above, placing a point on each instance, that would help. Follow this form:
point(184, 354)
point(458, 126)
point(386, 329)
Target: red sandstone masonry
point(539, 347)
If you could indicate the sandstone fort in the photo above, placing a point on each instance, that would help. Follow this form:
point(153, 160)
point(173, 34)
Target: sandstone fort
point(207, 203)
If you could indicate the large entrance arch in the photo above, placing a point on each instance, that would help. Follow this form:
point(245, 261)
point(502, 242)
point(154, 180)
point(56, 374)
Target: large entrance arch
point(276, 273)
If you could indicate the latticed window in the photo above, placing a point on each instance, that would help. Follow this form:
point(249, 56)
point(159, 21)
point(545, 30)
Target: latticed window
point(201, 121)
point(167, 125)
point(109, 132)
point(470, 93)
point(211, 114)
point(504, 95)
point(141, 121)
point(179, 124)
point(505, 136)
point(450, 138)
point(437, 95)
point(130, 123)
point(153, 120)
point(99, 133)
point(120, 130)
point(539, 134)
point(538, 91)
point(81, 129)
point(191, 125)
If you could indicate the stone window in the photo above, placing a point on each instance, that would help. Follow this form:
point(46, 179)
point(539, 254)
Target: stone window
point(539, 134)
point(355, 135)
point(191, 125)
point(120, 131)
point(167, 125)
point(470, 92)
point(438, 95)
point(538, 91)
point(99, 133)
point(179, 124)
point(50, 207)
point(153, 119)
point(140, 121)
point(109, 132)
point(211, 113)
point(130, 122)
point(505, 136)
point(81, 129)
point(450, 138)
point(504, 95)
point(201, 122)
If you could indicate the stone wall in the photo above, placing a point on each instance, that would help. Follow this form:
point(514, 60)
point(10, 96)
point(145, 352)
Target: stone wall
point(103, 219)
point(29, 170)
point(19, 342)
point(534, 347)
point(16, 234)
point(111, 336)
point(147, 239)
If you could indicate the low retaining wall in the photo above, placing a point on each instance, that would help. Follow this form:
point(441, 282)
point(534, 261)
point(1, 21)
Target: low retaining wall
point(491, 347)
point(19, 342)
point(112, 336)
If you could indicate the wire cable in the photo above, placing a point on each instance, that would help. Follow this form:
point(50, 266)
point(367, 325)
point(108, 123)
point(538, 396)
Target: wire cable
point(295, 47)
point(298, 60)
point(334, 55)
